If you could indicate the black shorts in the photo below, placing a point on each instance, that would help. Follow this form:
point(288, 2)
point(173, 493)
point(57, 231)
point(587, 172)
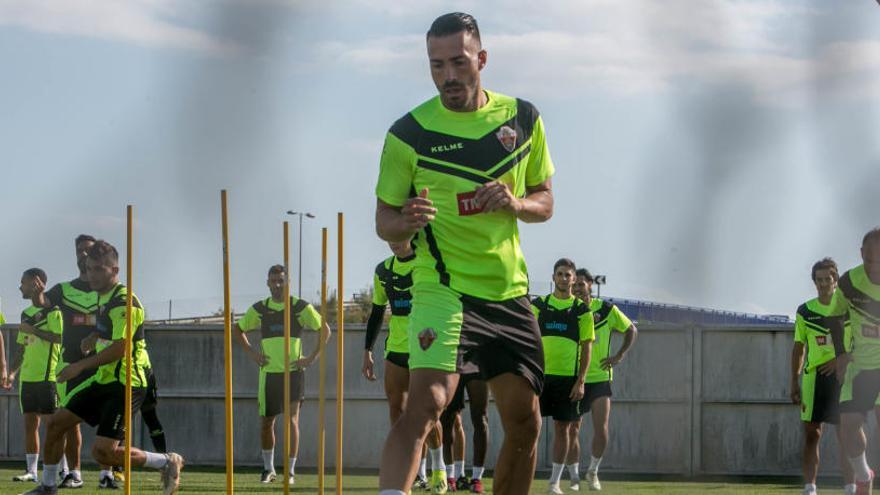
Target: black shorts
point(103, 405)
point(398, 358)
point(860, 390)
point(66, 389)
point(593, 391)
point(555, 401)
point(151, 396)
point(820, 398)
point(457, 403)
point(37, 397)
point(270, 397)
point(500, 337)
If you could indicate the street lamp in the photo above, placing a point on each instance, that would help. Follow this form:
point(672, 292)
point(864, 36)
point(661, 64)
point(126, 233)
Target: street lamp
point(299, 291)
point(599, 281)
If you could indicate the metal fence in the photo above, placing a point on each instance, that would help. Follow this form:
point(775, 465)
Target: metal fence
point(687, 400)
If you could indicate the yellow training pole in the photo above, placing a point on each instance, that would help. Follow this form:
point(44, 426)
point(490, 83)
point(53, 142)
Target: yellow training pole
point(322, 364)
point(128, 341)
point(340, 354)
point(286, 428)
point(227, 343)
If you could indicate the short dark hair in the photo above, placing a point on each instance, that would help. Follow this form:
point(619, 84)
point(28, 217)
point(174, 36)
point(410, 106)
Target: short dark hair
point(104, 252)
point(567, 263)
point(873, 235)
point(825, 263)
point(276, 269)
point(454, 23)
point(583, 272)
point(36, 273)
point(83, 238)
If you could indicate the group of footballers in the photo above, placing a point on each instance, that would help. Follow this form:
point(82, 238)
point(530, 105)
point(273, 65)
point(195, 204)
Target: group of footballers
point(70, 370)
point(457, 174)
point(839, 380)
point(575, 333)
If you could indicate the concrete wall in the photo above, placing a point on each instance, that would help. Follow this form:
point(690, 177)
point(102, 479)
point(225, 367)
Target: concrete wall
point(694, 400)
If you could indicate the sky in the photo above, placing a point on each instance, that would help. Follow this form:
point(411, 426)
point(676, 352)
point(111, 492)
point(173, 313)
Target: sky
point(707, 151)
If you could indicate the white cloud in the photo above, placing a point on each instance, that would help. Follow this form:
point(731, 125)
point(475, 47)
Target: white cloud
point(644, 47)
point(144, 22)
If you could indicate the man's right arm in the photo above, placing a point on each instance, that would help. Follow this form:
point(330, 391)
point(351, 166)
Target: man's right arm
point(395, 224)
point(242, 339)
point(797, 363)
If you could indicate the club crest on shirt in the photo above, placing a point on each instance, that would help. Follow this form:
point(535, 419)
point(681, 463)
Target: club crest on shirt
point(426, 338)
point(507, 136)
point(821, 340)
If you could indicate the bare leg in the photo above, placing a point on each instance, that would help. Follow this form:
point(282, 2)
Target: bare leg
point(429, 392)
point(267, 432)
point(73, 447)
point(478, 393)
point(560, 441)
point(458, 441)
point(845, 467)
point(810, 461)
point(601, 409)
point(521, 419)
point(574, 443)
point(294, 428)
point(32, 433)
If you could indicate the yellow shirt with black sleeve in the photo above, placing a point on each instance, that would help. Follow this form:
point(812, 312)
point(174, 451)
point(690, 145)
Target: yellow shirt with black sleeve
point(812, 328)
point(451, 154)
point(112, 326)
point(268, 317)
point(392, 284)
point(607, 318)
point(564, 324)
point(859, 299)
point(40, 356)
point(79, 305)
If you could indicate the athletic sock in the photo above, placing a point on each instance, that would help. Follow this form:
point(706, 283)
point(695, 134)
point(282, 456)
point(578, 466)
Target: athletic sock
point(810, 487)
point(155, 461)
point(31, 460)
point(458, 472)
point(423, 469)
point(573, 472)
point(64, 467)
point(556, 475)
point(450, 471)
point(292, 465)
point(594, 464)
point(850, 489)
point(77, 474)
point(861, 468)
point(269, 459)
point(437, 459)
point(104, 473)
point(157, 434)
point(478, 472)
point(50, 474)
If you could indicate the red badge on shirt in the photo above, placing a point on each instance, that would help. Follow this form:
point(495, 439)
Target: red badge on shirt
point(821, 340)
point(467, 204)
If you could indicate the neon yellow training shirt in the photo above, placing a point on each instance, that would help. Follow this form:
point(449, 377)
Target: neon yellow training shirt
point(268, 317)
point(112, 325)
point(564, 324)
point(607, 318)
point(812, 328)
point(40, 356)
point(451, 154)
point(858, 297)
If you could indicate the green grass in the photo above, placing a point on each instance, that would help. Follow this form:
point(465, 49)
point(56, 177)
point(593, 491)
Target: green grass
point(201, 480)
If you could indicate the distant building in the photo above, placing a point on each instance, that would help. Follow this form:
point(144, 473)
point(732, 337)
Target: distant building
point(646, 311)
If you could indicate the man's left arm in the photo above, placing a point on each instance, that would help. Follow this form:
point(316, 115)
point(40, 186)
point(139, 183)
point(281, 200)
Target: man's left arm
point(587, 334)
point(312, 320)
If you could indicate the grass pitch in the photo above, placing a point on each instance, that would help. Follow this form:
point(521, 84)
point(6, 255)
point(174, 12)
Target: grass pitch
point(205, 480)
